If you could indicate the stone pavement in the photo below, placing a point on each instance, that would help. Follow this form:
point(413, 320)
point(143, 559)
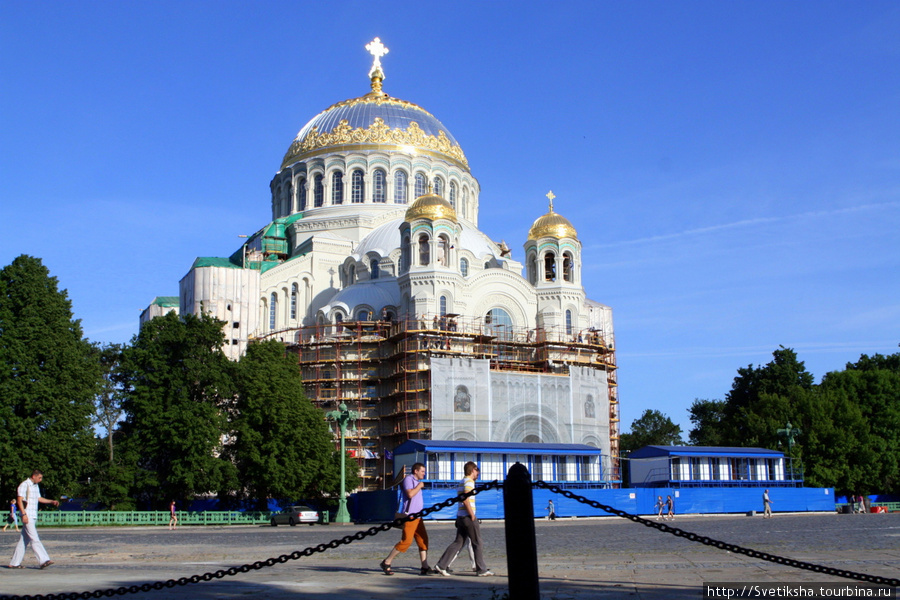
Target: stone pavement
point(585, 558)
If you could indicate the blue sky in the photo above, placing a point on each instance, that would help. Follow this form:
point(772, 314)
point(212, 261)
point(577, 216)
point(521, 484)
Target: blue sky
point(732, 168)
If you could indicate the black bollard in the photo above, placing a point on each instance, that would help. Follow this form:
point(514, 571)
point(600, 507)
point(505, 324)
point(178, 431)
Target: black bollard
point(521, 546)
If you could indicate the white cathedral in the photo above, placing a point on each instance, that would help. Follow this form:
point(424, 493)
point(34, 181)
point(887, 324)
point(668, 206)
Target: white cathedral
point(374, 273)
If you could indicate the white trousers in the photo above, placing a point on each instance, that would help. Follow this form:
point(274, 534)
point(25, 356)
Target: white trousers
point(29, 536)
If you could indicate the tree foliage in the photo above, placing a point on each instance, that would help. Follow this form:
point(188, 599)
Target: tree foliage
point(849, 423)
point(178, 389)
point(652, 428)
point(48, 378)
point(283, 447)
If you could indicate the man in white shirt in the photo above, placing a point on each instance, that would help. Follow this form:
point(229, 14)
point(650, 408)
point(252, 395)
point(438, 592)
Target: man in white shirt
point(28, 496)
point(466, 528)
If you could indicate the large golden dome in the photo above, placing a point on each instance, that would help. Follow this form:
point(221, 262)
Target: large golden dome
point(430, 206)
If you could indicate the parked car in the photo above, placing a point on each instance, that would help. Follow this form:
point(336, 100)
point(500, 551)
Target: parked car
point(294, 515)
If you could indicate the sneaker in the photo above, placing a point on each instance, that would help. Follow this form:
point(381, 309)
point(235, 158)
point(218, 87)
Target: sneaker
point(444, 572)
point(47, 564)
point(487, 573)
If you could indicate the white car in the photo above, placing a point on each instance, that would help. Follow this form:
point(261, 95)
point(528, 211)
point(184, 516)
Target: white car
point(296, 514)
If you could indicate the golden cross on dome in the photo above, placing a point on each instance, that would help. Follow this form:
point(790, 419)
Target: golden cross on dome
point(551, 196)
point(377, 50)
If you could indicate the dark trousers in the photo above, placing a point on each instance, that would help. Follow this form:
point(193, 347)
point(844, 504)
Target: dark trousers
point(466, 529)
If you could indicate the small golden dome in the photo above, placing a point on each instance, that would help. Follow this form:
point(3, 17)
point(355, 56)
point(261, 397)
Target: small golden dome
point(430, 206)
point(552, 225)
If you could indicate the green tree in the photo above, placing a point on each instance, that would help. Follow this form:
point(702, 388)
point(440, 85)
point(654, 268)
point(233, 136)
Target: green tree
point(48, 378)
point(283, 446)
point(706, 417)
point(178, 389)
point(652, 428)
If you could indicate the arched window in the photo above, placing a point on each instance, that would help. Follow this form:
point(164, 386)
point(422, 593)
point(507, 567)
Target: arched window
point(273, 308)
point(339, 320)
point(288, 198)
point(567, 267)
point(373, 264)
point(337, 187)
point(499, 323)
point(568, 322)
point(351, 275)
point(453, 194)
point(464, 267)
point(358, 187)
point(318, 191)
point(438, 186)
point(400, 187)
point(424, 250)
point(364, 314)
point(302, 193)
point(404, 254)
point(549, 267)
point(421, 185)
point(465, 203)
point(443, 306)
point(532, 269)
point(294, 293)
point(379, 183)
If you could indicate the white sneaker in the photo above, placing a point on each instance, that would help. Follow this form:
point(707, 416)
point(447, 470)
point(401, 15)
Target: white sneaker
point(487, 573)
point(443, 572)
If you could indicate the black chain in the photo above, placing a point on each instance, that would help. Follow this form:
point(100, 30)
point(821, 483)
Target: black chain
point(693, 537)
point(260, 564)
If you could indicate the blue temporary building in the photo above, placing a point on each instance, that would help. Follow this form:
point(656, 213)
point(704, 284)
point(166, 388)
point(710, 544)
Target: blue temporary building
point(711, 466)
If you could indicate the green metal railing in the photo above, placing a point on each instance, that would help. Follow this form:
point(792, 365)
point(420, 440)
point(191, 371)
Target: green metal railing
point(93, 518)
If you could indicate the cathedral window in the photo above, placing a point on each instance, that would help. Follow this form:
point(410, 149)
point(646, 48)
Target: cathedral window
point(273, 310)
point(465, 203)
point(337, 187)
point(404, 254)
point(374, 268)
point(351, 275)
point(567, 267)
point(532, 269)
point(379, 183)
point(288, 198)
point(549, 267)
point(339, 320)
point(421, 184)
point(453, 194)
point(294, 293)
point(301, 191)
point(568, 322)
point(400, 187)
point(443, 250)
point(424, 251)
point(358, 187)
point(319, 191)
point(443, 306)
point(464, 267)
point(438, 186)
point(499, 323)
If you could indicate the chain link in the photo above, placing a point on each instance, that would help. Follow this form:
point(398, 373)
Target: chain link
point(359, 535)
point(702, 539)
point(260, 564)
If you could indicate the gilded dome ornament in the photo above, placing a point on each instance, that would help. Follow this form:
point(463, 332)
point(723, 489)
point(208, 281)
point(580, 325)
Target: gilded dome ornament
point(376, 74)
point(430, 206)
point(552, 225)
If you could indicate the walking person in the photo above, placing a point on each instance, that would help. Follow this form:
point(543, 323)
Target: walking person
point(12, 519)
point(767, 505)
point(670, 504)
point(471, 558)
point(660, 506)
point(466, 527)
point(28, 496)
point(173, 518)
point(551, 510)
point(414, 529)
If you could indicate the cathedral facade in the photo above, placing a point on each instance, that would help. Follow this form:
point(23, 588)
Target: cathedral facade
point(373, 271)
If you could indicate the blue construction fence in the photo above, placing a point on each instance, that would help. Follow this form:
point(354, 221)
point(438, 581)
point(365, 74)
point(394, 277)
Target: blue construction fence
point(380, 506)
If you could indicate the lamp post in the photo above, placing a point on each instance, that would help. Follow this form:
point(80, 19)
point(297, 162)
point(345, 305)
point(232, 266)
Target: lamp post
point(342, 416)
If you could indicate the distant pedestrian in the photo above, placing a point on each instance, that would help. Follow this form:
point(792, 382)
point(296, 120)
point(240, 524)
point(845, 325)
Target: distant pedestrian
point(12, 518)
point(767, 505)
point(28, 496)
point(466, 527)
point(173, 518)
point(670, 504)
point(414, 529)
point(660, 506)
point(852, 503)
point(552, 510)
point(861, 502)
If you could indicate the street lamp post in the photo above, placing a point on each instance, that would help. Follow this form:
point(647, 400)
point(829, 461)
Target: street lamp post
point(342, 416)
